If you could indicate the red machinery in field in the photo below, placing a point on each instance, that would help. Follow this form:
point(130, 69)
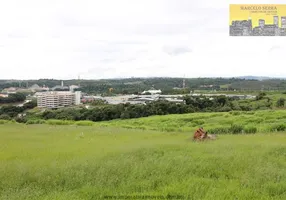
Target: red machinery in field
point(200, 134)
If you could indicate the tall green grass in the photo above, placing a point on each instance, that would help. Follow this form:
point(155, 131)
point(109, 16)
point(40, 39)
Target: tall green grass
point(41, 162)
point(233, 122)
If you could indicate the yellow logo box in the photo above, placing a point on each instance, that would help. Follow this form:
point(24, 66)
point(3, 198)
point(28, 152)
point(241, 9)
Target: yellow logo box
point(257, 19)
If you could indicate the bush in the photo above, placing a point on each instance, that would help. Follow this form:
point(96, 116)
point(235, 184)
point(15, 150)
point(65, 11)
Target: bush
point(198, 122)
point(235, 112)
point(5, 117)
point(84, 123)
point(21, 119)
point(249, 112)
point(263, 108)
point(127, 127)
point(168, 129)
point(37, 121)
point(59, 122)
point(250, 130)
point(219, 130)
point(142, 127)
point(278, 127)
point(236, 129)
point(260, 96)
point(280, 102)
point(186, 120)
point(246, 107)
point(4, 121)
point(224, 109)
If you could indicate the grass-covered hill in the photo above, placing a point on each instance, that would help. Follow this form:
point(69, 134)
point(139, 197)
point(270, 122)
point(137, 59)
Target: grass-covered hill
point(235, 122)
point(218, 123)
point(44, 162)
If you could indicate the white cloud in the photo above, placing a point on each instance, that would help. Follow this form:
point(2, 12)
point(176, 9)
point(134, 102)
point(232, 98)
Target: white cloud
point(123, 38)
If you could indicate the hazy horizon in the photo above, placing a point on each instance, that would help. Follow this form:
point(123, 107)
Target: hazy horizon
point(150, 77)
point(64, 39)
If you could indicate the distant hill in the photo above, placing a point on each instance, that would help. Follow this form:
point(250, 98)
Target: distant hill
point(260, 78)
point(166, 84)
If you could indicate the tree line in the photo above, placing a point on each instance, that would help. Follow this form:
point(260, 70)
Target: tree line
point(9, 112)
point(13, 98)
point(105, 112)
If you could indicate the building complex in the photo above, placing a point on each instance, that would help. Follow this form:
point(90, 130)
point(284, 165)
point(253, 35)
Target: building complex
point(58, 99)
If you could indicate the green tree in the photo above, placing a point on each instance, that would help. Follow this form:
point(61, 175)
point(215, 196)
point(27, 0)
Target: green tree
point(221, 100)
point(280, 102)
point(260, 96)
point(5, 117)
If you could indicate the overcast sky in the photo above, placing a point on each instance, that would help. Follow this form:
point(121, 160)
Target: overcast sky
point(63, 39)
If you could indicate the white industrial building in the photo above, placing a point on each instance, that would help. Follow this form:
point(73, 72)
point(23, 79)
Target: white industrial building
point(58, 99)
point(152, 91)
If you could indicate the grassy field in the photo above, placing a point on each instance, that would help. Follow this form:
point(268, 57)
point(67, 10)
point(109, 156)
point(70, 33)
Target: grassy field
point(264, 121)
point(218, 123)
point(88, 162)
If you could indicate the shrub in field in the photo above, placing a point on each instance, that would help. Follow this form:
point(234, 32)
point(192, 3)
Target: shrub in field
point(103, 125)
point(168, 129)
point(21, 119)
point(281, 117)
point(59, 122)
point(235, 112)
point(281, 127)
point(270, 117)
point(250, 129)
point(198, 122)
point(226, 115)
point(246, 107)
point(280, 102)
point(270, 121)
point(180, 130)
point(255, 120)
point(217, 115)
point(226, 122)
point(84, 123)
point(189, 119)
point(5, 117)
point(260, 96)
point(250, 112)
point(224, 109)
point(236, 129)
point(264, 108)
point(4, 121)
point(40, 121)
point(142, 128)
point(36, 121)
point(31, 122)
point(128, 126)
point(278, 127)
point(219, 130)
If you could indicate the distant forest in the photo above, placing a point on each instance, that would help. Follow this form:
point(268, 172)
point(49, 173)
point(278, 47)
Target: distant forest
point(167, 85)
